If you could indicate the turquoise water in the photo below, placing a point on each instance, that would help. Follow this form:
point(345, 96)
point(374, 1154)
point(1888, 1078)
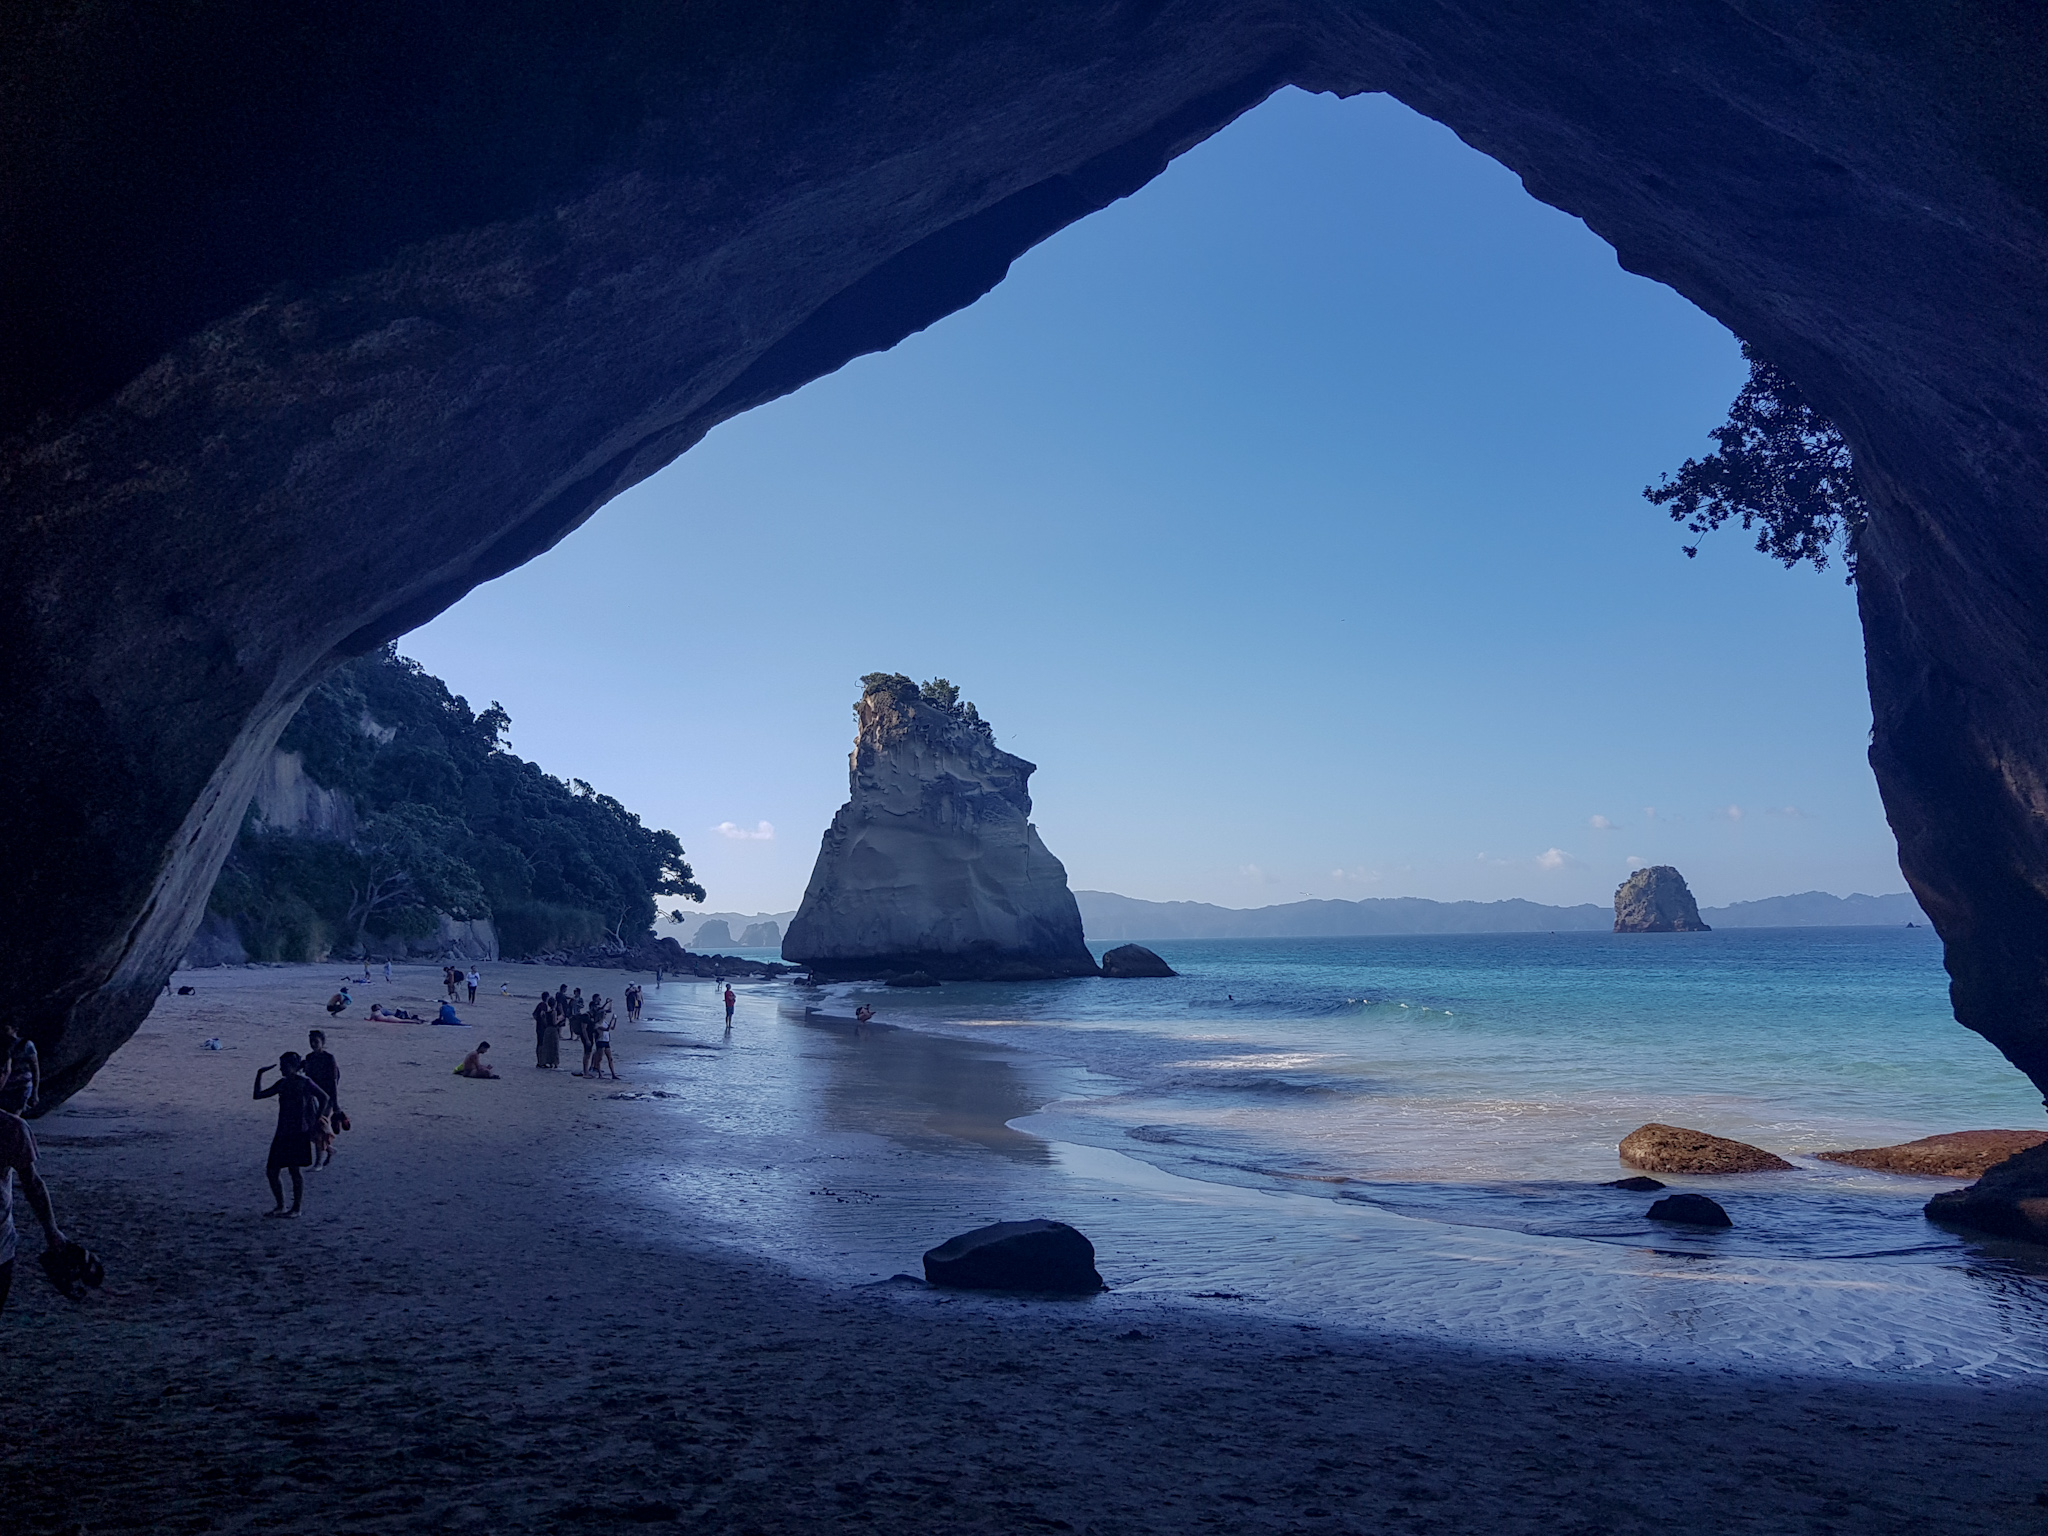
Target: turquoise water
point(1412, 1132)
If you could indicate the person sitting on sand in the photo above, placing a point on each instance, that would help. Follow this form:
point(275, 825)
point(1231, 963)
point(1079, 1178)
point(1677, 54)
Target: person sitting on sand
point(448, 1015)
point(473, 1064)
point(300, 1103)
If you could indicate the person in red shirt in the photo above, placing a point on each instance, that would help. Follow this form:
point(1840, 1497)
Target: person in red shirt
point(729, 1001)
point(18, 1156)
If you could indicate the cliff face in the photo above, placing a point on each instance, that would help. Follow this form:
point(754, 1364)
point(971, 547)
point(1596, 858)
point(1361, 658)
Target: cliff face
point(1656, 900)
point(932, 864)
point(316, 320)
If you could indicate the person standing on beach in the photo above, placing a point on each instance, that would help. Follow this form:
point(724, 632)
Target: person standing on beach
point(474, 981)
point(547, 1034)
point(325, 1071)
point(729, 1001)
point(18, 1156)
point(23, 1086)
point(387, 973)
point(300, 1104)
point(601, 1046)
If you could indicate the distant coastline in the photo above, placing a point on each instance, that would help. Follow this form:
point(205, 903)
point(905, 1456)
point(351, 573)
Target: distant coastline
point(1107, 916)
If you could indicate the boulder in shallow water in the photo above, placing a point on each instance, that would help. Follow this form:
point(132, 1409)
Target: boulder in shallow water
point(1657, 1148)
point(2011, 1200)
point(1134, 960)
point(1691, 1211)
point(1016, 1256)
point(1656, 900)
point(1958, 1155)
point(912, 979)
point(1638, 1185)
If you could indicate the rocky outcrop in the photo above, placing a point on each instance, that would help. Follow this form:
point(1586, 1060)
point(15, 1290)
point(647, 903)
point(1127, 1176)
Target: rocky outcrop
point(1134, 960)
point(1657, 1148)
point(932, 865)
point(216, 943)
point(256, 417)
point(1958, 1155)
point(1690, 1210)
point(711, 934)
point(288, 800)
point(2011, 1200)
point(1016, 1256)
point(761, 936)
point(1656, 900)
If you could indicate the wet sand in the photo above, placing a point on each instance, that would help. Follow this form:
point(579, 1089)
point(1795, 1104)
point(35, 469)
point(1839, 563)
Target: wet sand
point(499, 1314)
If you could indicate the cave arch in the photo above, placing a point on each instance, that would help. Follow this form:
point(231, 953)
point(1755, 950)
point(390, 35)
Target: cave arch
point(314, 326)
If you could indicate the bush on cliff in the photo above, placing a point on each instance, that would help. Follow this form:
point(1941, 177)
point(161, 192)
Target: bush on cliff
point(450, 822)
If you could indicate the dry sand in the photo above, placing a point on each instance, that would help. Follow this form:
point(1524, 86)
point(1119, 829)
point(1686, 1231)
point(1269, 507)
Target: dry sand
point(473, 1328)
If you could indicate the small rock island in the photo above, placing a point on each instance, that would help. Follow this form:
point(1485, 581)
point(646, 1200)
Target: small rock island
point(1656, 900)
point(932, 865)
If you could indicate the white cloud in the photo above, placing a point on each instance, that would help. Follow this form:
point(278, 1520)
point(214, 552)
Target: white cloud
point(1789, 812)
point(1730, 813)
point(1253, 873)
point(1635, 861)
point(763, 831)
point(1557, 858)
point(1599, 823)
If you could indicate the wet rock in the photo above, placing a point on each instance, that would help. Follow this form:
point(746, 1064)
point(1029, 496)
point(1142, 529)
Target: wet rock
point(1958, 1155)
point(933, 865)
point(1637, 1185)
point(1658, 1148)
point(1690, 1210)
point(1016, 1256)
point(912, 979)
point(1656, 900)
point(2011, 1200)
point(1134, 960)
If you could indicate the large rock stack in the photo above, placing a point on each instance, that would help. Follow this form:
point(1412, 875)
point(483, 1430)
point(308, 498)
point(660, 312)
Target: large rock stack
point(1656, 900)
point(932, 865)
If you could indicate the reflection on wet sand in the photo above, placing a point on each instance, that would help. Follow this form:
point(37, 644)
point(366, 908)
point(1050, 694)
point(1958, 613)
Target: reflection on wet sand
point(917, 1088)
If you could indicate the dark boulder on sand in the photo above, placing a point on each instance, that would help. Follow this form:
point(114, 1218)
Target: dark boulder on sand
point(2011, 1200)
point(1690, 1211)
point(1016, 1256)
point(1659, 1148)
point(1134, 960)
point(1958, 1155)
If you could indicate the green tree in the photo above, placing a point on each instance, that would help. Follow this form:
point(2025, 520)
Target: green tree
point(1781, 467)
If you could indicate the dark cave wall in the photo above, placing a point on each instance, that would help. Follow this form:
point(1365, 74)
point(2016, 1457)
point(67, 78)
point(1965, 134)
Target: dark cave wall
point(313, 322)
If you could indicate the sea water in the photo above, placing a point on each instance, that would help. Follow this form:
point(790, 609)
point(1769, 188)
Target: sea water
point(1414, 1132)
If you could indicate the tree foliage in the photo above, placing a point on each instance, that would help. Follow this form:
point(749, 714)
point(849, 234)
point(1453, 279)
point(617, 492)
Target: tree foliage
point(449, 821)
point(1781, 467)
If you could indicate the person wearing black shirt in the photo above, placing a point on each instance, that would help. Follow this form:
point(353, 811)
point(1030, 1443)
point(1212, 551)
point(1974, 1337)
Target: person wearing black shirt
point(325, 1071)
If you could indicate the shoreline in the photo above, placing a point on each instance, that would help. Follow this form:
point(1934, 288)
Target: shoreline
point(498, 1315)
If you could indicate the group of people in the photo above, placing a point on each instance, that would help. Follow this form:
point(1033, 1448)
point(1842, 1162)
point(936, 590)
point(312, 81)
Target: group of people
point(308, 1094)
point(454, 978)
point(588, 1021)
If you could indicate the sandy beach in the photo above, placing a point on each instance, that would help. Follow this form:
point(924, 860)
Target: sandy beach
point(498, 1313)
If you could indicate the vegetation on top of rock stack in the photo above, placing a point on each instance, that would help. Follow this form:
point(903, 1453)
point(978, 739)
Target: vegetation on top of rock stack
point(450, 821)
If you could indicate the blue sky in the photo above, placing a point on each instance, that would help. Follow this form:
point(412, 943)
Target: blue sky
point(1286, 514)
